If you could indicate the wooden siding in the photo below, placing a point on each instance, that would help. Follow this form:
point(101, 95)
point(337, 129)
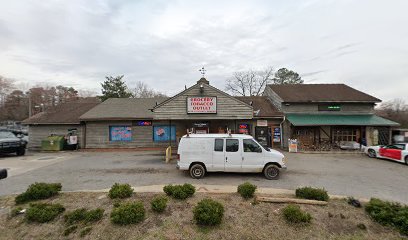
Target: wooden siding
point(346, 108)
point(227, 106)
point(37, 133)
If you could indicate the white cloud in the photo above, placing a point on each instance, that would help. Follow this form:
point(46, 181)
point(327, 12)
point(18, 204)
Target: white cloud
point(164, 43)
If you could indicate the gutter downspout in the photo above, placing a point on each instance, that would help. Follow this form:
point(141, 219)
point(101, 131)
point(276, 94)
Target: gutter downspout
point(280, 125)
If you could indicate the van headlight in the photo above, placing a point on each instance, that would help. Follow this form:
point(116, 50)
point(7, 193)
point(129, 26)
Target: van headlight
point(283, 160)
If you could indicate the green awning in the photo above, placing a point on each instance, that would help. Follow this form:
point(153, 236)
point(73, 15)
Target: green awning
point(338, 119)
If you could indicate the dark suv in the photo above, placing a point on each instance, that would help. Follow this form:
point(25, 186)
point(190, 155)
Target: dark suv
point(9, 143)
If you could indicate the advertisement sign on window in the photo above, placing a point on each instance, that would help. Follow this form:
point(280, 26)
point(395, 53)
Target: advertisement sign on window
point(120, 133)
point(202, 105)
point(162, 133)
point(276, 134)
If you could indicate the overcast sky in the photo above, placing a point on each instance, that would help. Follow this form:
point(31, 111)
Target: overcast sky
point(361, 43)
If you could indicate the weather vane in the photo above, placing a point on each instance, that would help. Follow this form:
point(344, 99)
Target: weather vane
point(202, 71)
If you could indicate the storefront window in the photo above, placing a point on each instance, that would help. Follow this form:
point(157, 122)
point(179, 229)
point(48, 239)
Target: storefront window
point(345, 134)
point(120, 133)
point(164, 133)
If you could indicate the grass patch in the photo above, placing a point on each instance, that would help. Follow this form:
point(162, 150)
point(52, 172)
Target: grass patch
point(85, 231)
point(84, 215)
point(293, 214)
point(208, 212)
point(70, 230)
point(246, 190)
point(37, 191)
point(389, 214)
point(43, 212)
point(312, 193)
point(159, 203)
point(15, 211)
point(128, 213)
point(120, 191)
point(180, 191)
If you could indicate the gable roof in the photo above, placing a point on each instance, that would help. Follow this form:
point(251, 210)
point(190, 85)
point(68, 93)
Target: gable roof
point(64, 113)
point(320, 93)
point(206, 83)
point(123, 109)
point(261, 103)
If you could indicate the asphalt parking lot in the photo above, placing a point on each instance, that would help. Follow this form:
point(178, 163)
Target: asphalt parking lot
point(343, 174)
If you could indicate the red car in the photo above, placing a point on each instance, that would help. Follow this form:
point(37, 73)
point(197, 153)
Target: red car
point(397, 152)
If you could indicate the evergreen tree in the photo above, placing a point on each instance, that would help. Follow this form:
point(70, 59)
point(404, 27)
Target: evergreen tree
point(114, 87)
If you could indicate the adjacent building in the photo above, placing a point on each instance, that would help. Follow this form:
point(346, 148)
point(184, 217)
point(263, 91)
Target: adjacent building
point(318, 115)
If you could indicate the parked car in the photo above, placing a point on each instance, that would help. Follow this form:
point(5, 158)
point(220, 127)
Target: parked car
point(396, 152)
point(9, 143)
point(201, 153)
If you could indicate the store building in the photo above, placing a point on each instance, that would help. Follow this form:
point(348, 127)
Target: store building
point(325, 116)
point(319, 116)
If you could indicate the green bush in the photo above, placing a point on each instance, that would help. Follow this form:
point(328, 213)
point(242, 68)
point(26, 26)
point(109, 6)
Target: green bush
point(120, 191)
point(70, 230)
point(159, 203)
point(312, 193)
point(208, 212)
point(37, 191)
point(179, 191)
point(389, 214)
point(43, 212)
point(83, 215)
point(85, 231)
point(247, 190)
point(293, 214)
point(128, 213)
point(15, 211)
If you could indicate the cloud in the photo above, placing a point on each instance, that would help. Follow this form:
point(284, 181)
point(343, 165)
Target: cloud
point(164, 43)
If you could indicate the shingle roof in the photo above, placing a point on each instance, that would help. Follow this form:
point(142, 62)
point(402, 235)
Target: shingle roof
point(64, 113)
point(123, 108)
point(320, 93)
point(265, 107)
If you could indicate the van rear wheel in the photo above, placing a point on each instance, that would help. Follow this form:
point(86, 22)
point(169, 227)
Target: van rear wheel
point(197, 171)
point(271, 172)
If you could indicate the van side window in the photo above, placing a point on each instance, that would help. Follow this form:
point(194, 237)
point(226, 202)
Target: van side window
point(251, 146)
point(232, 145)
point(219, 145)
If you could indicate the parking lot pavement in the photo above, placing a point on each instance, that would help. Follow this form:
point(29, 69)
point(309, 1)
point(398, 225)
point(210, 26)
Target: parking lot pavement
point(342, 174)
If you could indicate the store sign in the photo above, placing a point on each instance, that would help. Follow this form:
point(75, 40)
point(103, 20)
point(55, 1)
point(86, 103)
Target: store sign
point(202, 105)
point(329, 107)
point(262, 123)
point(143, 123)
point(164, 133)
point(276, 134)
point(120, 133)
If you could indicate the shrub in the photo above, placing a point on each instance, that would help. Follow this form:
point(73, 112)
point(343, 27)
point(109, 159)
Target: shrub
point(128, 213)
point(208, 212)
point(179, 191)
point(159, 203)
point(120, 191)
point(312, 193)
point(70, 230)
point(388, 213)
point(246, 190)
point(15, 211)
point(83, 215)
point(37, 191)
point(43, 212)
point(85, 231)
point(293, 214)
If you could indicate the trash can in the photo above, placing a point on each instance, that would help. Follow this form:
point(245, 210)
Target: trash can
point(53, 143)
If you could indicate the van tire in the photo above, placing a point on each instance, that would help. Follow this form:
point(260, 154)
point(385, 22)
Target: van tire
point(271, 172)
point(197, 171)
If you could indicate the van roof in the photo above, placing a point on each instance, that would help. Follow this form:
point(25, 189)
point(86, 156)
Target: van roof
point(218, 135)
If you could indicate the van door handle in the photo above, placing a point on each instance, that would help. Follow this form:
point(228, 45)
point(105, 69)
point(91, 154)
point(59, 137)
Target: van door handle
point(242, 158)
point(226, 159)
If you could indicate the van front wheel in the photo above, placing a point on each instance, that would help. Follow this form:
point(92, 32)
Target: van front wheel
point(271, 172)
point(197, 171)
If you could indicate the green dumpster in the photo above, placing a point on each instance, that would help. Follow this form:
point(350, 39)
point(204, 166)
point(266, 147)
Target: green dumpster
point(53, 143)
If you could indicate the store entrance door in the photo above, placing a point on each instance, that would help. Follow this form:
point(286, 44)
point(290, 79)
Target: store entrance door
point(261, 135)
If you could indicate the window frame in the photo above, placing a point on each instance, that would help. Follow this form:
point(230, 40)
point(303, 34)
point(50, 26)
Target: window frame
point(215, 144)
point(251, 140)
point(226, 145)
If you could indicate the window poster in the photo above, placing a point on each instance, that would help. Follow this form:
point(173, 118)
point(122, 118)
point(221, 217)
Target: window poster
point(163, 133)
point(120, 133)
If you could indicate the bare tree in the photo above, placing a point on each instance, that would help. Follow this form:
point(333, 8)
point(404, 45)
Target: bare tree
point(142, 90)
point(396, 110)
point(6, 85)
point(249, 83)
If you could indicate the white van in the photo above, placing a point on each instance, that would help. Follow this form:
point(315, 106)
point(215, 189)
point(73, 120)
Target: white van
point(201, 153)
